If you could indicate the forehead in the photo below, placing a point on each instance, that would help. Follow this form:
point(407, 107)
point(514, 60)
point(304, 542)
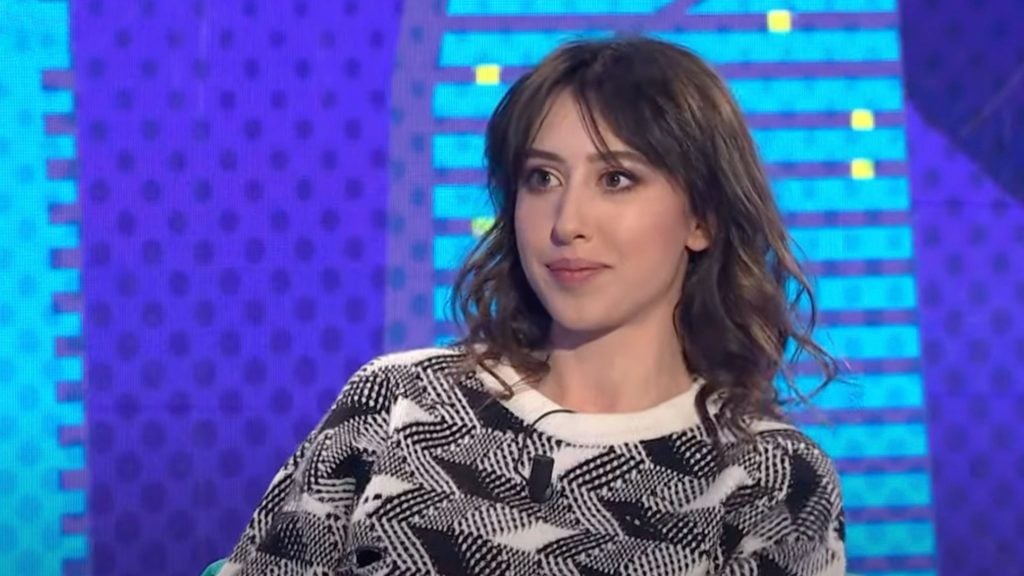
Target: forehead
point(564, 126)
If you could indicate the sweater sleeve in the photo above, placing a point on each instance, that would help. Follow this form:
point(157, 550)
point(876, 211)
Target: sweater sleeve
point(300, 525)
point(787, 519)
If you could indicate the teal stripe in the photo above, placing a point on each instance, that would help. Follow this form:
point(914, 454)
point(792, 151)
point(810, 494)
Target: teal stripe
point(817, 95)
point(505, 48)
point(442, 341)
point(466, 100)
point(450, 251)
point(763, 6)
point(890, 539)
point(465, 202)
point(455, 151)
point(34, 37)
point(863, 293)
point(842, 194)
point(890, 489)
point(744, 47)
point(866, 392)
point(552, 7)
point(442, 294)
point(467, 49)
point(755, 96)
point(792, 195)
point(466, 151)
point(871, 342)
point(871, 440)
point(851, 244)
point(66, 369)
point(830, 144)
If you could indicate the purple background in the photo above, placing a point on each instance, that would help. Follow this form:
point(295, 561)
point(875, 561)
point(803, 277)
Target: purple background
point(233, 182)
point(234, 175)
point(964, 75)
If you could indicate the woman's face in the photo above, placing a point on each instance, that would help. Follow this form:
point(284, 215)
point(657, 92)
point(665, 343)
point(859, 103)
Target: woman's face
point(602, 245)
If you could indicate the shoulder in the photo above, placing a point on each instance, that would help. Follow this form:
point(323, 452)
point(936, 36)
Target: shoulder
point(783, 463)
point(782, 447)
point(413, 364)
point(404, 372)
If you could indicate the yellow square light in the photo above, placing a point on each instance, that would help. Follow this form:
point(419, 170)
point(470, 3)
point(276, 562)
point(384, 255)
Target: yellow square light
point(861, 119)
point(481, 225)
point(862, 169)
point(488, 74)
point(780, 21)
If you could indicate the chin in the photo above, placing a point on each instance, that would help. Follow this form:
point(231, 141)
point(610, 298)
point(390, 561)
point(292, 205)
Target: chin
point(584, 324)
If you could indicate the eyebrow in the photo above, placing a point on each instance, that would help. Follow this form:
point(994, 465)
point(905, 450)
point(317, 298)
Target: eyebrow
point(614, 155)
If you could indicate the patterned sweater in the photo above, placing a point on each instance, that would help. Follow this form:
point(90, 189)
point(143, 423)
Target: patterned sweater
point(419, 468)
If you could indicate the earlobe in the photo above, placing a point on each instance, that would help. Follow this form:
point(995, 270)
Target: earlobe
point(699, 238)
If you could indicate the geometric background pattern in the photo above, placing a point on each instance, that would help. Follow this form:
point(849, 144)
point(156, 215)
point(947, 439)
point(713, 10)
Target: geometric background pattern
point(212, 213)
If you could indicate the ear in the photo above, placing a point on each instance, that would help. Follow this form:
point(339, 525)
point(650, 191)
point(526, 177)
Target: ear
point(699, 238)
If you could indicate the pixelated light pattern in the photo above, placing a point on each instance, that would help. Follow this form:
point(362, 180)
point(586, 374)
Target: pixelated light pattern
point(42, 477)
point(823, 94)
point(780, 21)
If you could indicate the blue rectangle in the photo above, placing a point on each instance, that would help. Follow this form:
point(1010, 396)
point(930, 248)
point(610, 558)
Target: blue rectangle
point(747, 47)
point(865, 293)
point(442, 297)
point(450, 251)
point(890, 539)
point(464, 202)
point(888, 489)
point(865, 392)
point(885, 342)
point(871, 440)
point(458, 151)
point(844, 244)
point(842, 194)
point(466, 100)
point(763, 6)
point(469, 49)
point(790, 145)
point(817, 95)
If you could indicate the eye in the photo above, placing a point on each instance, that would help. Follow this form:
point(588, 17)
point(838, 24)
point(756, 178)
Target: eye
point(539, 179)
point(618, 180)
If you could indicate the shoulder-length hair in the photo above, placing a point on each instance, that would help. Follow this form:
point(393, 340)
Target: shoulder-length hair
point(738, 318)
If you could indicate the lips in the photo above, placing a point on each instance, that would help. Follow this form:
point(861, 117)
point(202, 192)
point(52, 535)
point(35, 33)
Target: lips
point(571, 273)
point(574, 265)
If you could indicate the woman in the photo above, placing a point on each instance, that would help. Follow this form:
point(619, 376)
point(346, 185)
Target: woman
point(611, 408)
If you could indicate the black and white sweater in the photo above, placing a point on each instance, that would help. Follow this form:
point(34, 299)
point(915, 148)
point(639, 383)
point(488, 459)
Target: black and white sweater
point(418, 469)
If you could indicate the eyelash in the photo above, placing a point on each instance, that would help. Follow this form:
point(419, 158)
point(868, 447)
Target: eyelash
point(530, 182)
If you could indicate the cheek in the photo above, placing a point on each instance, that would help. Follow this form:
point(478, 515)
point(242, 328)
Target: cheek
point(654, 236)
point(528, 225)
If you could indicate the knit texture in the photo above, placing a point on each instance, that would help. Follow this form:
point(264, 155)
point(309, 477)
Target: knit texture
point(419, 469)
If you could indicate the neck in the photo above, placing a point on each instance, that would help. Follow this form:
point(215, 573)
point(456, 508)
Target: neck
point(629, 369)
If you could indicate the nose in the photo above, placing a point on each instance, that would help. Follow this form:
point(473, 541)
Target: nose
point(570, 218)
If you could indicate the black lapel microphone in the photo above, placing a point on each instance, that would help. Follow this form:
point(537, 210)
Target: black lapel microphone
point(539, 486)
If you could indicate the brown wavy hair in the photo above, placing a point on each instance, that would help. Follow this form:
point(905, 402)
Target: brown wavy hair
point(739, 308)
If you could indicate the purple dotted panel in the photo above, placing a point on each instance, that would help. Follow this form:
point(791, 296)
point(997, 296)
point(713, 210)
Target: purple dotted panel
point(965, 122)
point(233, 181)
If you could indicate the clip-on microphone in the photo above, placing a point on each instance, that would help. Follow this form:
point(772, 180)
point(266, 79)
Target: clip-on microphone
point(538, 486)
